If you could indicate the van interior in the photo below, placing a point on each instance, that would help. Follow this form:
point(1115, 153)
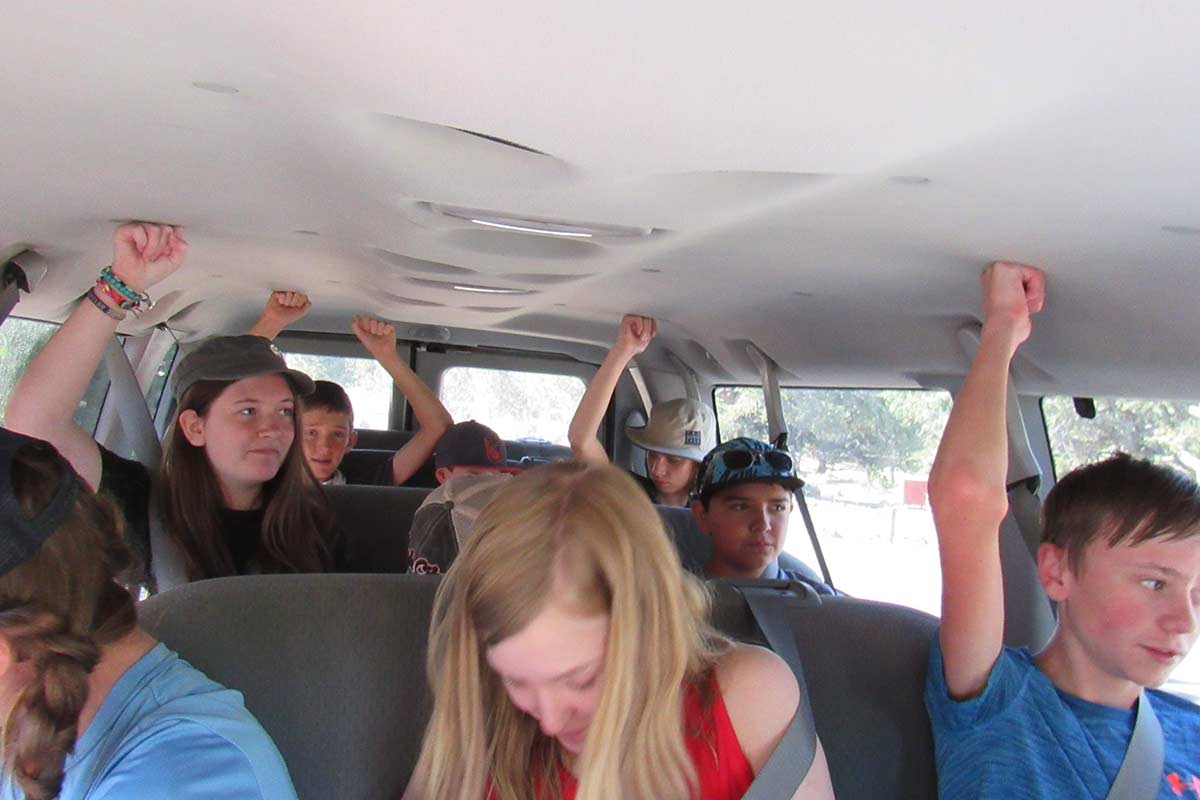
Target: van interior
point(803, 196)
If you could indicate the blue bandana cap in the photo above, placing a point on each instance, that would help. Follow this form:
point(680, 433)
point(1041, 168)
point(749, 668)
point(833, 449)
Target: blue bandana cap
point(745, 460)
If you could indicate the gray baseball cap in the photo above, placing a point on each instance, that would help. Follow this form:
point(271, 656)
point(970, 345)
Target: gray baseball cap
point(231, 358)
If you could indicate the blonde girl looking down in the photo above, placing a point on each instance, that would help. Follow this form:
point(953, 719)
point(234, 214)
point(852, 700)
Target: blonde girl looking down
point(570, 657)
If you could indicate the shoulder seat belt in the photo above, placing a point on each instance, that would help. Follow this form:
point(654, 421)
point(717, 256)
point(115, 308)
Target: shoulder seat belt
point(772, 604)
point(1141, 770)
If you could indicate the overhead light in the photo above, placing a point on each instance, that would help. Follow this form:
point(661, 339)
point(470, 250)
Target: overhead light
point(508, 226)
point(219, 88)
point(1184, 230)
point(540, 226)
point(467, 287)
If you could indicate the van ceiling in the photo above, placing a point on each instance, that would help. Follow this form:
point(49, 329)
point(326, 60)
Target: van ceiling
point(824, 180)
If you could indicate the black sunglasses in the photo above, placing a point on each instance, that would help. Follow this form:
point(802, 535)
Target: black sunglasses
point(743, 459)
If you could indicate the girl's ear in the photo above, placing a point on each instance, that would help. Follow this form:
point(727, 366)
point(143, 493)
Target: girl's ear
point(7, 657)
point(192, 425)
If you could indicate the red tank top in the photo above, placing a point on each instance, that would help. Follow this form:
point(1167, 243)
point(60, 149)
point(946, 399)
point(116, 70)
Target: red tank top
point(722, 770)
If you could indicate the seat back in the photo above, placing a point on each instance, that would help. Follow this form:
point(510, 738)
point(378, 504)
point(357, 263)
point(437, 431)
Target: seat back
point(333, 666)
point(865, 664)
point(375, 521)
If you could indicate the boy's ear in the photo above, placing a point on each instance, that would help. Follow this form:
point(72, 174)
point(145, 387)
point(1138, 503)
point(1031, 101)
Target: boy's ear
point(1054, 571)
point(353, 439)
point(192, 425)
point(701, 515)
point(442, 474)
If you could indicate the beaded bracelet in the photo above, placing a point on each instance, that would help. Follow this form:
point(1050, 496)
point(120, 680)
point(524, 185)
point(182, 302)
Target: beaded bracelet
point(108, 310)
point(125, 297)
point(129, 294)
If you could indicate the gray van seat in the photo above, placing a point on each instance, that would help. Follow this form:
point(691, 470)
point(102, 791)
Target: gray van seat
point(333, 667)
point(865, 664)
point(375, 521)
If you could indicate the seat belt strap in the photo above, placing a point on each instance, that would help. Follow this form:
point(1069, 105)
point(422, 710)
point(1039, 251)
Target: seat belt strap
point(1141, 772)
point(791, 759)
point(801, 504)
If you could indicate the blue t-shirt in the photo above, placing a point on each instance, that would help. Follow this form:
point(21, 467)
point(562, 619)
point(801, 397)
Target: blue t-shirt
point(1023, 738)
point(165, 731)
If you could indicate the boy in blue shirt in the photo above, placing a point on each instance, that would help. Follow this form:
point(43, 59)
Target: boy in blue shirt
point(1120, 556)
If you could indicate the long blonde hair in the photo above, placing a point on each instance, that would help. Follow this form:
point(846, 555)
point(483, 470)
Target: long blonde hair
point(587, 536)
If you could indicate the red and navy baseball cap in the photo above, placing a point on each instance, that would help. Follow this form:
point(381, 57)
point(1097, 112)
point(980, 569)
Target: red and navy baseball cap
point(471, 444)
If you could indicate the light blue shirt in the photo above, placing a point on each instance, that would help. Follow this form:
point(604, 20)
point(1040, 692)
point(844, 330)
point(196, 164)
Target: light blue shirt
point(1023, 738)
point(167, 732)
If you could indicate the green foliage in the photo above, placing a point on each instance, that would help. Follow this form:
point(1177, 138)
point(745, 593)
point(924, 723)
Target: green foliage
point(1165, 431)
point(881, 431)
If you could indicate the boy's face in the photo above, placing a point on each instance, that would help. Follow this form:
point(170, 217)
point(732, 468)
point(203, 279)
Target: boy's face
point(748, 525)
point(327, 436)
point(1130, 612)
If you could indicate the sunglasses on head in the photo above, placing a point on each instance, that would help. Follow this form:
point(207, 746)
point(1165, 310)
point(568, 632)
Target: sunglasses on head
point(744, 459)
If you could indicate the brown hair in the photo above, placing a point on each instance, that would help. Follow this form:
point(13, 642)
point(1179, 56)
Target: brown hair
point(1119, 500)
point(57, 610)
point(329, 396)
point(296, 521)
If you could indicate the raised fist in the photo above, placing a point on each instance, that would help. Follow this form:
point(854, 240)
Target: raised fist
point(1012, 293)
point(284, 308)
point(377, 336)
point(145, 252)
point(635, 334)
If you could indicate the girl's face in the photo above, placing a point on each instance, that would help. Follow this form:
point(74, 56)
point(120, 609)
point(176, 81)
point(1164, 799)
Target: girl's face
point(247, 432)
point(553, 669)
point(671, 474)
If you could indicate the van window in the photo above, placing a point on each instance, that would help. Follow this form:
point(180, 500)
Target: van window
point(154, 391)
point(515, 404)
point(1163, 431)
point(20, 340)
point(864, 455)
point(368, 384)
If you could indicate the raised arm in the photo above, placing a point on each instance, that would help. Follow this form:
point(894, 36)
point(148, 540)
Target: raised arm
point(967, 485)
point(282, 309)
point(44, 400)
point(380, 340)
point(633, 338)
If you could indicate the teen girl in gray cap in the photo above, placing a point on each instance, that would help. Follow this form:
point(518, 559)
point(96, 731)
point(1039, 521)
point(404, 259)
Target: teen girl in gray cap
point(233, 495)
point(675, 439)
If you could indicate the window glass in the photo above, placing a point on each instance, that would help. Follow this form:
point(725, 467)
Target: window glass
point(865, 456)
point(1164, 431)
point(154, 391)
point(20, 340)
point(368, 384)
point(515, 404)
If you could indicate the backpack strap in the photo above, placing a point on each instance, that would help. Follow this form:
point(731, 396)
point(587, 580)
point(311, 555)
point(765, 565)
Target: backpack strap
point(771, 603)
point(1141, 770)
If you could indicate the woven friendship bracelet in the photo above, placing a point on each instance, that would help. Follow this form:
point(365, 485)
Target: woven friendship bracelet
point(106, 292)
point(108, 310)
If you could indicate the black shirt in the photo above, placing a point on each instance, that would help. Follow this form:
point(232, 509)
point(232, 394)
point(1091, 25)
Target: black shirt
point(128, 484)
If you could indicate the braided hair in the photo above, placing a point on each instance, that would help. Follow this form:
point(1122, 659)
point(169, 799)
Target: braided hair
point(57, 610)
